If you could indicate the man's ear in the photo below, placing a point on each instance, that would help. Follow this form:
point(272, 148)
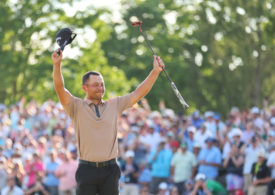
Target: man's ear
point(84, 88)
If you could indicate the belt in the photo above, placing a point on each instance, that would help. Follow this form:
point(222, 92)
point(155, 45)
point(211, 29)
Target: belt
point(98, 164)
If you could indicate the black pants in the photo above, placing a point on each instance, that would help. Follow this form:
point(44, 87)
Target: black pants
point(271, 187)
point(97, 181)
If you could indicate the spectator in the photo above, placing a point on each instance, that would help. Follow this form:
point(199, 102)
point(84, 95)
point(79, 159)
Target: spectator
point(145, 176)
point(174, 191)
point(209, 160)
point(250, 150)
point(160, 161)
point(202, 134)
point(35, 166)
point(271, 164)
point(182, 167)
point(11, 187)
point(66, 174)
point(189, 187)
point(215, 187)
point(234, 138)
point(38, 188)
point(200, 185)
point(196, 120)
point(144, 190)
point(163, 189)
point(190, 140)
point(260, 174)
point(130, 172)
point(234, 165)
point(248, 132)
point(51, 181)
point(3, 172)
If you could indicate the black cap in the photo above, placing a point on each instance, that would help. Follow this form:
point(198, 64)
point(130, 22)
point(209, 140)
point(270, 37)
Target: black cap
point(64, 37)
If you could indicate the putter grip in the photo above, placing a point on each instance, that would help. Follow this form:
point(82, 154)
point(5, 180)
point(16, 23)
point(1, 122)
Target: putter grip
point(182, 101)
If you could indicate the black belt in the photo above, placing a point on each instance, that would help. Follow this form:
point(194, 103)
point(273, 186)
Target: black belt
point(98, 164)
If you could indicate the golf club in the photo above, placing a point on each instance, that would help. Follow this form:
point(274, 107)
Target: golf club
point(64, 37)
point(175, 89)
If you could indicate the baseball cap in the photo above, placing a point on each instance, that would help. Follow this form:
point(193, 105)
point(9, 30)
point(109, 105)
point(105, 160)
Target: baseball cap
point(191, 129)
point(235, 132)
point(255, 110)
point(163, 186)
point(261, 153)
point(129, 153)
point(209, 139)
point(175, 144)
point(183, 145)
point(200, 177)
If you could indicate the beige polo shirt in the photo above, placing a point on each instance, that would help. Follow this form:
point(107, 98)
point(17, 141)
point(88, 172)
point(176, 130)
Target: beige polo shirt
point(97, 136)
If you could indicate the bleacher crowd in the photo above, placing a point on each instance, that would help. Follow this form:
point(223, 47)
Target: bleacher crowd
point(160, 152)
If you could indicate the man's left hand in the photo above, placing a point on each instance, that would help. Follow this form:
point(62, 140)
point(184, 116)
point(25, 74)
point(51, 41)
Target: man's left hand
point(158, 63)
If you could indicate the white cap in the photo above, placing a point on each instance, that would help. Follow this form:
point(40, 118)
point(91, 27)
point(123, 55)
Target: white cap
point(200, 176)
point(169, 113)
point(255, 110)
point(191, 129)
point(155, 114)
point(163, 186)
point(235, 132)
point(261, 153)
point(197, 145)
point(208, 114)
point(129, 153)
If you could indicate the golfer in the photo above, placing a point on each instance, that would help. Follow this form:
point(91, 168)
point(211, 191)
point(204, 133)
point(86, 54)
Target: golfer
point(95, 123)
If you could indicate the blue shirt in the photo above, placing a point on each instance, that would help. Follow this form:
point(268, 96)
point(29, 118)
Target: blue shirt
point(161, 166)
point(212, 155)
point(145, 176)
point(51, 179)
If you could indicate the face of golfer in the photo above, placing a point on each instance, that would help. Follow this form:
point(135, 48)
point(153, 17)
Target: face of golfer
point(94, 87)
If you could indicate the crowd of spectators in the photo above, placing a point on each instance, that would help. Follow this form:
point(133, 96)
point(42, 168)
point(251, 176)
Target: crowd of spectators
point(160, 152)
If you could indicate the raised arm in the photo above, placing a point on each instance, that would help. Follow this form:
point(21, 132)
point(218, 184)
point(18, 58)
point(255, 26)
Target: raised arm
point(148, 83)
point(63, 94)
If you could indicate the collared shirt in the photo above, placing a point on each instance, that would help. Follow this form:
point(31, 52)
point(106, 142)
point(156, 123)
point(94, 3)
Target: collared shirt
point(97, 136)
point(183, 163)
point(210, 155)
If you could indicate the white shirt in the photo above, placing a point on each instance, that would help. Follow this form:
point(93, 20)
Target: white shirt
point(250, 158)
point(200, 138)
point(271, 161)
point(151, 139)
point(15, 191)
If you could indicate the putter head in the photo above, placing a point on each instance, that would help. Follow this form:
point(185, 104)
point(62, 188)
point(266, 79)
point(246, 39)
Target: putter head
point(137, 23)
point(64, 37)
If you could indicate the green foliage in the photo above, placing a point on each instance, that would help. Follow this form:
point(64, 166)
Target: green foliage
point(219, 53)
point(27, 38)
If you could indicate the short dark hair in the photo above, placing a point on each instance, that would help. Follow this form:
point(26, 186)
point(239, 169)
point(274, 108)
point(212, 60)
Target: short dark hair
point(86, 76)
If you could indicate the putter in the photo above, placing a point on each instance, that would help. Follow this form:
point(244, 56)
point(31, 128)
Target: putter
point(175, 89)
point(64, 37)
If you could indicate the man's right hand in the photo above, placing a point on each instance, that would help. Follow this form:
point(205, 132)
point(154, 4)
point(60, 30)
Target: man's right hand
point(56, 58)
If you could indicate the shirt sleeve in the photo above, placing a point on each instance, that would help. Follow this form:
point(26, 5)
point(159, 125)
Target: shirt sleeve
point(70, 108)
point(174, 160)
point(194, 161)
point(271, 160)
point(123, 102)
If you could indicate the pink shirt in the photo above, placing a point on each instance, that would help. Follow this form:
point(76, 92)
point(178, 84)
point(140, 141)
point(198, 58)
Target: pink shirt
point(34, 168)
point(67, 181)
